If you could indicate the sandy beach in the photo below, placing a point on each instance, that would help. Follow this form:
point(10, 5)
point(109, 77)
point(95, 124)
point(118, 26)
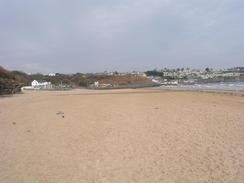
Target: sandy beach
point(121, 136)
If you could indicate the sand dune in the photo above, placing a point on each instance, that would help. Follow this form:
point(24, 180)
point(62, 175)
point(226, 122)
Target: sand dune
point(121, 136)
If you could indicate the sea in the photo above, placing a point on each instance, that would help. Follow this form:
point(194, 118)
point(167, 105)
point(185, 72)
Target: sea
point(222, 86)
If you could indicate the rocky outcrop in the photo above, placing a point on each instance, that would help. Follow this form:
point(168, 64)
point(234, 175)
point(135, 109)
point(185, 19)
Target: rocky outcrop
point(9, 84)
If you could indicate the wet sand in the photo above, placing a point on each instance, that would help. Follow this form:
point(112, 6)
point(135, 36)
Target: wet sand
point(121, 136)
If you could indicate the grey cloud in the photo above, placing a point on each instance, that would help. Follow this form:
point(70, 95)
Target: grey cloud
point(86, 36)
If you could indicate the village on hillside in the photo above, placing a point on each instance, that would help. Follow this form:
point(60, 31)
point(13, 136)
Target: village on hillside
point(14, 81)
point(110, 80)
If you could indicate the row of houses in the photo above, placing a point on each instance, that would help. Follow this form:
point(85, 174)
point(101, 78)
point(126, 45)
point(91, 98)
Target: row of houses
point(41, 84)
point(190, 76)
point(37, 85)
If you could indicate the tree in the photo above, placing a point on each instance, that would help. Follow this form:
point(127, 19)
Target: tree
point(207, 69)
point(154, 73)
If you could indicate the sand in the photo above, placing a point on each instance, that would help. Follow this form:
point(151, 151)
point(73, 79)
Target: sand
point(121, 136)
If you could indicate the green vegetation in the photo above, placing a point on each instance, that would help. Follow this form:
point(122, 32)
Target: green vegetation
point(9, 83)
point(75, 80)
point(154, 73)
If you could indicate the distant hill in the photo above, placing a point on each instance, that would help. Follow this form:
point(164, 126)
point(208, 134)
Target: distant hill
point(9, 83)
point(6, 74)
point(125, 80)
point(12, 81)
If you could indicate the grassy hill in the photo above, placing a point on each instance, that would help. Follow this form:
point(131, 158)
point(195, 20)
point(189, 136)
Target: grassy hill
point(124, 80)
point(12, 81)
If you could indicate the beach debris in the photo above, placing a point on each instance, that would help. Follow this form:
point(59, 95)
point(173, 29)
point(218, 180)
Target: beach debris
point(156, 108)
point(28, 131)
point(59, 113)
point(14, 123)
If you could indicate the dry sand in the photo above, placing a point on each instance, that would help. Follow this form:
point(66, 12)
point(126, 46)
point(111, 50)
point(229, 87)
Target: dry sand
point(121, 136)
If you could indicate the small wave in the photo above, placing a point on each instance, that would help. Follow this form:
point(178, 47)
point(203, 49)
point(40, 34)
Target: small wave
point(210, 86)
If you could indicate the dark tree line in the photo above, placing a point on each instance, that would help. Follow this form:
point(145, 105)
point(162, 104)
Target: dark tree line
point(154, 73)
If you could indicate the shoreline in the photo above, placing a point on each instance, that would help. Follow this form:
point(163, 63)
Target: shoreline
point(87, 91)
point(233, 92)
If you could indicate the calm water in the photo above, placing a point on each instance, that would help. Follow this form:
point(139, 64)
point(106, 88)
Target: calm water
point(225, 86)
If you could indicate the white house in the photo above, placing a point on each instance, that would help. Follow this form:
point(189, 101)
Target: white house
point(51, 74)
point(41, 84)
point(96, 84)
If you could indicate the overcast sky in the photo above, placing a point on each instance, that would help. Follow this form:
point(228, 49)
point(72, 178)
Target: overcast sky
point(124, 35)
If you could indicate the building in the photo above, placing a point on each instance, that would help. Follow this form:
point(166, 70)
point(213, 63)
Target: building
point(51, 74)
point(96, 84)
point(41, 84)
